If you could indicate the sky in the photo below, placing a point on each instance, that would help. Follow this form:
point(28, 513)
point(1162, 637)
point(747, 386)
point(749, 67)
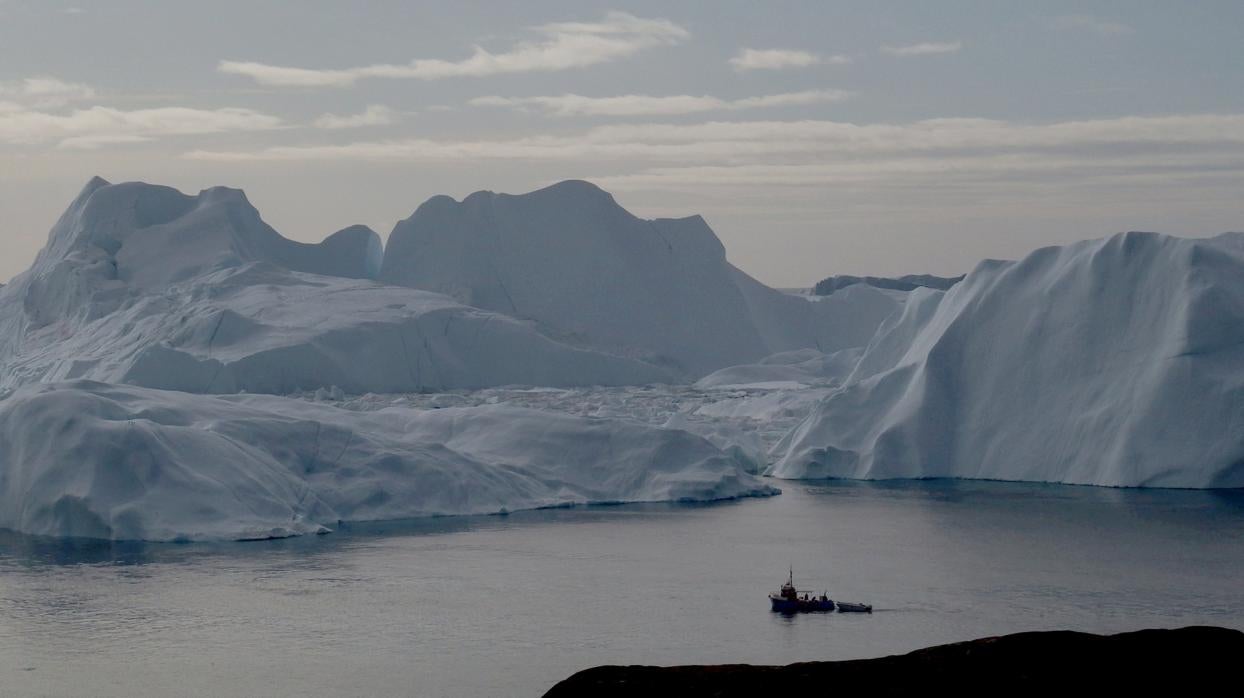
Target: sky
point(816, 138)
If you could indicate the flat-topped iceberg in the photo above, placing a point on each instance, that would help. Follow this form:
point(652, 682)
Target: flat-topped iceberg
point(120, 462)
point(1108, 362)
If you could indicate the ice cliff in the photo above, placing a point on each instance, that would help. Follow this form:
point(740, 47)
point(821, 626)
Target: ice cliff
point(106, 461)
point(1107, 362)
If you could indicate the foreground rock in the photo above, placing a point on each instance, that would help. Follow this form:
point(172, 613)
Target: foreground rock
point(1114, 362)
point(1188, 661)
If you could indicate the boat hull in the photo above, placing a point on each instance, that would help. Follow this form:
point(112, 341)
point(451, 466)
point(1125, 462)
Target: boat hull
point(781, 605)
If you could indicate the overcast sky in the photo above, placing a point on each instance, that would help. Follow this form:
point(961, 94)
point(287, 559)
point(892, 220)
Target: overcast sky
point(815, 137)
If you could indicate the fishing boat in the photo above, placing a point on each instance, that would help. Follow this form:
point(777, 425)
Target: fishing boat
point(845, 607)
point(789, 600)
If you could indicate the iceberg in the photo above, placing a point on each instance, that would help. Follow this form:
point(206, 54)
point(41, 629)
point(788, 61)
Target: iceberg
point(143, 285)
point(569, 258)
point(153, 357)
point(88, 459)
point(154, 236)
point(1107, 362)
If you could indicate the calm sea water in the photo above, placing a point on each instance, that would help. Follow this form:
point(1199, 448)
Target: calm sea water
point(507, 606)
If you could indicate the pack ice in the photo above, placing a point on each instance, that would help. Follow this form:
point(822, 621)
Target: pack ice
point(107, 461)
point(1108, 362)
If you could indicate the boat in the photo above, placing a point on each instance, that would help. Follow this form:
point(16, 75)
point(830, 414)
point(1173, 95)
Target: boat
point(789, 600)
point(845, 607)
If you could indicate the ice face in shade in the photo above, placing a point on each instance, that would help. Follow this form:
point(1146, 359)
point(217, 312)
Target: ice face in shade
point(1107, 362)
point(570, 258)
point(142, 284)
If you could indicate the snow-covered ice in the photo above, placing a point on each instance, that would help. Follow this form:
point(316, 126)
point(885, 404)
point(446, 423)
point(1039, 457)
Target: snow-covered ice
point(510, 352)
point(1107, 362)
point(143, 285)
point(570, 258)
point(121, 462)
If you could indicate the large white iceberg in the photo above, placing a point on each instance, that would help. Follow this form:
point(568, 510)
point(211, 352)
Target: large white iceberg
point(570, 258)
point(144, 285)
point(105, 461)
point(1107, 362)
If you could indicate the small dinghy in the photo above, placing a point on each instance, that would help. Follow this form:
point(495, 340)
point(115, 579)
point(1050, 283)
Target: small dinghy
point(789, 600)
point(844, 607)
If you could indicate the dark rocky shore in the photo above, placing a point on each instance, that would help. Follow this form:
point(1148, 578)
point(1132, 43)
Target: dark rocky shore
point(1187, 661)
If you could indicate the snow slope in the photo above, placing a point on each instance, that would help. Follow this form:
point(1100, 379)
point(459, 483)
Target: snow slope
point(141, 284)
point(105, 461)
point(569, 257)
point(1108, 362)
